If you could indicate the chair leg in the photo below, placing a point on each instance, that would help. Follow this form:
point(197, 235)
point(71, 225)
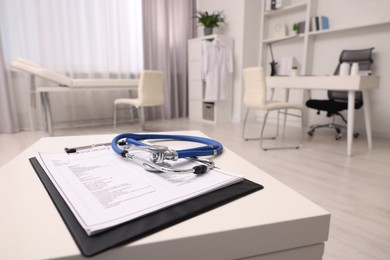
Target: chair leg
point(284, 121)
point(277, 124)
point(114, 121)
point(281, 147)
point(244, 125)
point(131, 109)
point(141, 116)
point(162, 113)
point(262, 131)
point(254, 138)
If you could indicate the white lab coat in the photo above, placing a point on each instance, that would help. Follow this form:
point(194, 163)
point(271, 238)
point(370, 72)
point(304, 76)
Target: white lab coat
point(217, 65)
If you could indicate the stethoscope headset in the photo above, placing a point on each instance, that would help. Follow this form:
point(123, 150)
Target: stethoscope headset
point(128, 144)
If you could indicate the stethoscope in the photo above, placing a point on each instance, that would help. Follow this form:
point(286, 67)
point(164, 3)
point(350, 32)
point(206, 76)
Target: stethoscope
point(127, 145)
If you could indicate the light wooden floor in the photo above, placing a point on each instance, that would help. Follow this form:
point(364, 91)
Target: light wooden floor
point(355, 190)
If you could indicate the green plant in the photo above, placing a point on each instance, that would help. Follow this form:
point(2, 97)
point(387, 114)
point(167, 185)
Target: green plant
point(295, 27)
point(210, 20)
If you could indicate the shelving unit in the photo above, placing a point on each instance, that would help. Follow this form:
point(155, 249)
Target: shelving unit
point(302, 11)
point(288, 14)
point(286, 9)
point(199, 109)
point(348, 28)
point(275, 40)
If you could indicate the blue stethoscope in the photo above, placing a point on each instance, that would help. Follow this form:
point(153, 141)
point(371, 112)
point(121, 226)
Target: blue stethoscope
point(128, 144)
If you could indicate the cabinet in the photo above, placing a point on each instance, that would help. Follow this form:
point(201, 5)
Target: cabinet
point(199, 109)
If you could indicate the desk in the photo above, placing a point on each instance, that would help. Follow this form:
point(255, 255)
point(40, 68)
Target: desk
point(348, 83)
point(45, 102)
point(274, 223)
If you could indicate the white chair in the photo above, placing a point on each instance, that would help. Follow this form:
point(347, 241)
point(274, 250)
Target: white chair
point(255, 97)
point(150, 93)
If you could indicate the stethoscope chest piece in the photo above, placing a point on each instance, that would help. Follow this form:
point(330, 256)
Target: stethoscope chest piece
point(157, 153)
point(157, 156)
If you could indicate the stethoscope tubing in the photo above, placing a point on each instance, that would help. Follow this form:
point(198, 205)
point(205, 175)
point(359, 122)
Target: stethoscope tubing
point(212, 147)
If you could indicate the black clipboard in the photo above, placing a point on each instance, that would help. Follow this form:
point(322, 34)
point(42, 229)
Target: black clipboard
point(141, 227)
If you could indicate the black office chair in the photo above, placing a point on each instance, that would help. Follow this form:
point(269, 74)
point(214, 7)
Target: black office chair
point(338, 100)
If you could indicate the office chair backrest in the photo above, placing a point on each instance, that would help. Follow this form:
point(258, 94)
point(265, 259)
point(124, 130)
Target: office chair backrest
point(151, 88)
point(255, 88)
point(364, 58)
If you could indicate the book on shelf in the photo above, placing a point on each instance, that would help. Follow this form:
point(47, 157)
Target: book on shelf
point(301, 27)
point(318, 23)
point(267, 5)
point(324, 22)
point(313, 26)
point(273, 4)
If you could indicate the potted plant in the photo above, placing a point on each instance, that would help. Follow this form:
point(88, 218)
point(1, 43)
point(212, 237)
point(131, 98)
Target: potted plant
point(209, 20)
point(295, 28)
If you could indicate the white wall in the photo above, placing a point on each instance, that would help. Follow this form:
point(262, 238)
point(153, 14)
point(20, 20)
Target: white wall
point(243, 25)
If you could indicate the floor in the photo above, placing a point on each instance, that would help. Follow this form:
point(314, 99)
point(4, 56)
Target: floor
point(355, 190)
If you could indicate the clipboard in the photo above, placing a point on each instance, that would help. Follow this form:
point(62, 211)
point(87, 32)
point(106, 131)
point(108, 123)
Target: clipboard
point(143, 226)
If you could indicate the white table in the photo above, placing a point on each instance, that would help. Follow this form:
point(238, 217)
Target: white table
point(45, 90)
point(274, 223)
point(348, 83)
